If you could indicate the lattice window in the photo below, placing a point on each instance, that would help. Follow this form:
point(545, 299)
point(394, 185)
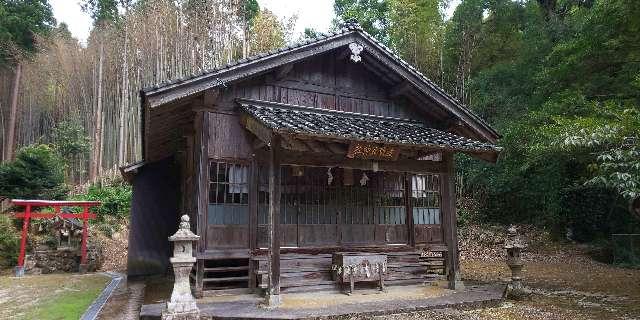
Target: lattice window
point(425, 198)
point(320, 195)
point(228, 193)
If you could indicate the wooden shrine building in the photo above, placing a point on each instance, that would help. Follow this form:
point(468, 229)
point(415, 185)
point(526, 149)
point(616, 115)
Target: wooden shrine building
point(283, 159)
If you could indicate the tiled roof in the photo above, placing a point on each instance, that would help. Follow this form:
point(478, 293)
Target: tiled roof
point(354, 126)
point(321, 37)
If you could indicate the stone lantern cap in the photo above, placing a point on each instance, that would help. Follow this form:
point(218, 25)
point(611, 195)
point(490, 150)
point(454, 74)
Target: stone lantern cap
point(513, 240)
point(184, 231)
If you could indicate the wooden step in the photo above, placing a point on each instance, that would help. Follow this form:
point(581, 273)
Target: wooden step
point(226, 269)
point(227, 279)
point(222, 291)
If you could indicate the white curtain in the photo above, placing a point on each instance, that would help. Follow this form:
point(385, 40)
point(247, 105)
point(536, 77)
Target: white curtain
point(238, 178)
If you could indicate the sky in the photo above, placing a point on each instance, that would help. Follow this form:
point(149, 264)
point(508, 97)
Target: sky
point(316, 14)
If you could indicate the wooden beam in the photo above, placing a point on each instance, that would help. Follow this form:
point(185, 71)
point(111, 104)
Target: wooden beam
point(294, 144)
point(273, 293)
point(210, 97)
point(315, 146)
point(345, 53)
point(331, 160)
point(399, 89)
point(283, 71)
point(257, 144)
point(337, 148)
point(382, 75)
point(449, 223)
point(258, 129)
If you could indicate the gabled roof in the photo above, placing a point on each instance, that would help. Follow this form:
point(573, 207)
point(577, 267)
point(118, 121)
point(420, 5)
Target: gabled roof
point(347, 126)
point(264, 62)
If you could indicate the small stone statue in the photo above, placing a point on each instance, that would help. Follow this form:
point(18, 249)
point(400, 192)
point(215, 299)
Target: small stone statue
point(514, 246)
point(182, 305)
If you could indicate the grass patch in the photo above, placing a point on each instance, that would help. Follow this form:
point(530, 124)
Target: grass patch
point(49, 297)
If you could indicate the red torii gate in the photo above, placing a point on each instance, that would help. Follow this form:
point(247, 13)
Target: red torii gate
point(27, 215)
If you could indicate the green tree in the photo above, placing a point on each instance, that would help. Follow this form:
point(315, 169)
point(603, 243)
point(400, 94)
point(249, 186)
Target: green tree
point(570, 78)
point(21, 22)
point(36, 173)
point(415, 30)
point(101, 10)
point(310, 33)
point(71, 142)
point(250, 10)
point(372, 15)
point(268, 32)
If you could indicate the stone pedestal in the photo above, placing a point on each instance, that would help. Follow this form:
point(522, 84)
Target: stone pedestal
point(458, 285)
point(272, 301)
point(182, 305)
point(19, 271)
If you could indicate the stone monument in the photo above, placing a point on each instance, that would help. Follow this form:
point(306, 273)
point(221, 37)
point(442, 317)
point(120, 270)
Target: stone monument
point(182, 305)
point(514, 246)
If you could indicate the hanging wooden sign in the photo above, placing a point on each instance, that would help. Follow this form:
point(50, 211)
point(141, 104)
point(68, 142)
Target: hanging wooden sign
point(373, 151)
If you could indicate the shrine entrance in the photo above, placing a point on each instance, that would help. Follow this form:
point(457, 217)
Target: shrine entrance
point(333, 206)
point(324, 206)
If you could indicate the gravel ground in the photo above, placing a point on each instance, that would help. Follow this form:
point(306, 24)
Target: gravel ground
point(566, 283)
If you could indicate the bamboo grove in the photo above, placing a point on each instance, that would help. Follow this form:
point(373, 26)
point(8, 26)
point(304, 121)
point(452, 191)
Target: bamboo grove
point(96, 84)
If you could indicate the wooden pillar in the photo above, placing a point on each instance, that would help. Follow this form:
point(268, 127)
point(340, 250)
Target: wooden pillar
point(23, 241)
point(409, 209)
point(254, 180)
point(201, 149)
point(273, 294)
point(449, 221)
point(85, 238)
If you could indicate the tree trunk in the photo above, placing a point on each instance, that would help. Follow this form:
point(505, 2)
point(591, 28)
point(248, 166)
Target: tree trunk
point(122, 146)
point(97, 134)
point(11, 130)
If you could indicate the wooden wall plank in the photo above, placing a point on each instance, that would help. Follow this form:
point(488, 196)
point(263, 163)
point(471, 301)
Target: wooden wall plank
point(227, 138)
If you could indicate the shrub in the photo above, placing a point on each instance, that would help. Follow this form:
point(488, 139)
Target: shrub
point(68, 138)
point(36, 173)
point(9, 242)
point(115, 196)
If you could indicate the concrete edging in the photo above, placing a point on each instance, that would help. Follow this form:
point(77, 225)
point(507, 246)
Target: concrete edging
point(94, 309)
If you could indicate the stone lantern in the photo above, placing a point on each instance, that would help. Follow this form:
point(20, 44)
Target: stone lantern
point(514, 246)
point(182, 305)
